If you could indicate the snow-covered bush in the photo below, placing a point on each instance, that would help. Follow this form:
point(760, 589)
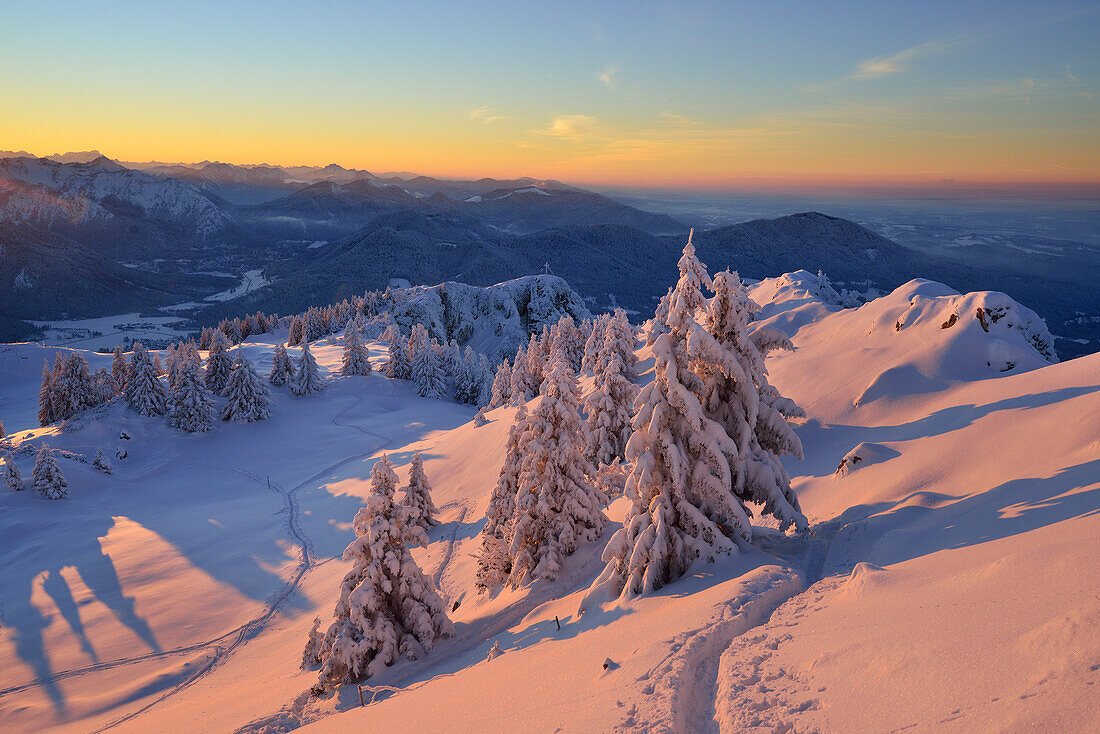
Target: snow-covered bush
point(418, 495)
point(12, 477)
point(102, 463)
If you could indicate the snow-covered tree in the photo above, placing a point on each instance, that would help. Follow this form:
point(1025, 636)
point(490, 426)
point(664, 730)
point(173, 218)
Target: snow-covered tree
point(103, 384)
point(427, 374)
point(388, 607)
point(494, 562)
point(418, 495)
point(218, 363)
point(609, 411)
point(685, 464)
point(356, 358)
point(557, 508)
point(46, 476)
point(145, 392)
point(249, 397)
point(451, 360)
point(296, 332)
point(282, 371)
point(524, 384)
point(12, 477)
point(120, 370)
point(656, 326)
point(397, 366)
point(188, 406)
point(418, 339)
point(567, 339)
point(618, 342)
point(307, 377)
point(592, 344)
point(102, 463)
point(735, 392)
point(484, 381)
point(501, 390)
point(46, 400)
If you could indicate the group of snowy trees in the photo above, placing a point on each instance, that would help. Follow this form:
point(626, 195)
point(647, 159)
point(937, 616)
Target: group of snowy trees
point(387, 607)
point(436, 369)
point(71, 387)
point(707, 434)
point(238, 329)
point(46, 477)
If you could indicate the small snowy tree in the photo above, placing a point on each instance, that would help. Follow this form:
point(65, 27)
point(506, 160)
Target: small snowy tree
point(418, 339)
point(418, 495)
point(249, 397)
point(13, 478)
point(120, 370)
point(282, 371)
point(502, 385)
point(427, 374)
point(145, 392)
point(74, 386)
point(189, 407)
point(102, 463)
point(618, 342)
point(557, 508)
point(46, 476)
point(387, 606)
point(218, 363)
point(307, 377)
point(356, 358)
point(566, 338)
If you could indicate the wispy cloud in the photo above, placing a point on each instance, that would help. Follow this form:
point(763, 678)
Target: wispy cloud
point(901, 61)
point(484, 115)
point(607, 76)
point(569, 127)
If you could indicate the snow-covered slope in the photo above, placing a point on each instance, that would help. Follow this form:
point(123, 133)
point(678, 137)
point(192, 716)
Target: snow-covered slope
point(948, 584)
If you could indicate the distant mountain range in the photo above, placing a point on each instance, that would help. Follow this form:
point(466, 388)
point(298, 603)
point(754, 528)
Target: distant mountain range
point(144, 235)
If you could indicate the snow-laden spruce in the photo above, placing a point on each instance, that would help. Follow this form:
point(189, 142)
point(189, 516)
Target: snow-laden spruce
point(12, 477)
point(218, 363)
point(46, 477)
point(120, 370)
point(427, 374)
point(307, 377)
point(356, 359)
point(688, 475)
point(189, 407)
point(608, 409)
point(397, 364)
point(73, 385)
point(282, 370)
point(501, 390)
point(46, 414)
point(417, 496)
point(493, 561)
point(736, 393)
point(566, 338)
point(249, 397)
point(388, 607)
point(617, 342)
point(557, 508)
point(145, 393)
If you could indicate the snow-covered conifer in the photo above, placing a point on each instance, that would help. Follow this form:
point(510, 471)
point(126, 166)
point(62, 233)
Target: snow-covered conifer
point(249, 397)
point(307, 377)
point(73, 386)
point(120, 370)
point(46, 399)
point(188, 406)
point(103, 385)
point(218, 363)
point(467, 378)
point(501, 390)
point(12, 477)
point(296, 332)
point(493, 560)
point(479, 417)
point(566, 338)
point(523, 382)
point(618, 342)
point(145, 392)
point(418, 339)
point(609, 411)
point(557, 508)
point(388, 607)
point(46, 476)
point(484, 379)
point(282, 370)
point(427, 374)
point(593, 343)
point(102, 463)
point(657, 326)
point(398, 364)
point(418, 495)
point(356, 361)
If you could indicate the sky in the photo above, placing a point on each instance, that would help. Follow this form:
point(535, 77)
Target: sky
point(663, 94)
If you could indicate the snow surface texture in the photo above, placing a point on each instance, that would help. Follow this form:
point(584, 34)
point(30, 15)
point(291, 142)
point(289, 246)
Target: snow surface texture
point(949, 584)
